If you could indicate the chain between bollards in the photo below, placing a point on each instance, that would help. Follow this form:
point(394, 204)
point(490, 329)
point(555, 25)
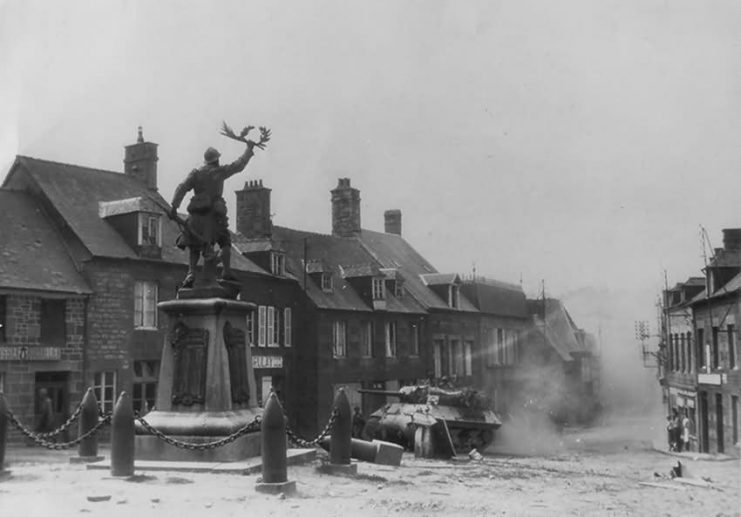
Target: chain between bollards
point(296, 439)
point(38, 440)
point(247, 428)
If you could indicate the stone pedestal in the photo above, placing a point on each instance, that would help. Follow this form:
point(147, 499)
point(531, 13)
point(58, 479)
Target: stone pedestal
point(206, 387)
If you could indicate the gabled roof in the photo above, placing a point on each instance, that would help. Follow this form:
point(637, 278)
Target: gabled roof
point(560, 330)
point(75, 192)
point(338, 256)
point(255, 245)
point(731, 288)
point(360, 270)
point(497, 298)
point(32, 254)
point(440, 278)
point(392, 251)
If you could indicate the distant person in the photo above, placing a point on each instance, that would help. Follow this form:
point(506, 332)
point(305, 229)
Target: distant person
point(358, 423)
point(686, 424)
point(672, 428)
point(45, 417)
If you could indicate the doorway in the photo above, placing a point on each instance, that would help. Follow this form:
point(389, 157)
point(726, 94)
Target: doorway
point(704, 442)
point(719, 421)
point(56, 385)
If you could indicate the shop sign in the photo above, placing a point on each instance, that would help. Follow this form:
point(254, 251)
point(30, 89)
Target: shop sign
point(267, 361)
point(709, 378)
point(30, 353)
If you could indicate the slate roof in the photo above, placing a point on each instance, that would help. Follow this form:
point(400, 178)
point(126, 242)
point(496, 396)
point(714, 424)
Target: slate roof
point(559, 327)
point(340, 256)
point(497, 298)
point(76, 191)
point(32, 254)
point(732, 287)
point(440, 278)
point(392, 251)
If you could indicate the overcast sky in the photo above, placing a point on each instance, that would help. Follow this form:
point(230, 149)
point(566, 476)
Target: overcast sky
point(579, 142)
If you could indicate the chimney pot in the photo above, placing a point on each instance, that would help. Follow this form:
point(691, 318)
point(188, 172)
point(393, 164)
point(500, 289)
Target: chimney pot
point(253, 211)
point(140, 161)
point(345, 209)
point(392, 221)
point(732, 239)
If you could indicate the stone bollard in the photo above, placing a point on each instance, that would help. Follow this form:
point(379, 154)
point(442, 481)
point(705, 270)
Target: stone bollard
point(340, 444)
point(3, 432)
point(87, 451)
point(274, 450)
point(122, 437)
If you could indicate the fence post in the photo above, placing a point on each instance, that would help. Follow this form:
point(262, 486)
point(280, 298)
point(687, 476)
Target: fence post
point(3, 431)
point(122, 437)
point(340, 443)
point(87, 451)
point(274, 449)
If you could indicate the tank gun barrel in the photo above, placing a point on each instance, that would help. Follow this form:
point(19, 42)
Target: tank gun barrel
point(388, 393)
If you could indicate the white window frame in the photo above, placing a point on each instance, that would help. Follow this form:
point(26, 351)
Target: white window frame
point(2, 382)
point(414, 330)
point(437, 357)
point(454, 296)
point(339, 339)
point(500, 346)
point(250, 323)
point(145, 318)
point(467, 358)
point(379, 288)
point(327, 282)
point(101, 381)
point(271, 327)
point(261, 325)
point(277, 264)
point(391, 338)
point(287, 327)
point(153, 221)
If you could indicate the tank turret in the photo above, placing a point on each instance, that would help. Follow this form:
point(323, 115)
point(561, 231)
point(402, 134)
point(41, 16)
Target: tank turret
point(448, 420)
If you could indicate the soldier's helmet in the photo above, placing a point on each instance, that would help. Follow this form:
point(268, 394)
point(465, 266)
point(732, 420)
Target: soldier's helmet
point(211, 155)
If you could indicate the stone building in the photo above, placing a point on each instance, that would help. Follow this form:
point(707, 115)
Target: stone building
point(558, 365)
point(373, 312)
point(678, 375)
point(91, 253)
point(716, 315)
point(503, 325)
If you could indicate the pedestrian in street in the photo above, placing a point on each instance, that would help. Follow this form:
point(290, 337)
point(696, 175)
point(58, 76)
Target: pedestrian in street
point(685, 431)
point(672, 428)
point(45, 417)
point(358, 423)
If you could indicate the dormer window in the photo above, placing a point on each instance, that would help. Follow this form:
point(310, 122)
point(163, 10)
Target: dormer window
point(327, 284)
point(453, 296)
point(379, 289)
point(277, 264)
point(149, 230)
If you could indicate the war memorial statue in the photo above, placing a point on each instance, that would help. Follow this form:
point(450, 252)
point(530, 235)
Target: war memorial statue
point(207, 222)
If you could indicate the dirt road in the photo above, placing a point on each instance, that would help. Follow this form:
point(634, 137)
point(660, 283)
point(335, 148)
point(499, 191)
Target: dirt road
point(590, 472)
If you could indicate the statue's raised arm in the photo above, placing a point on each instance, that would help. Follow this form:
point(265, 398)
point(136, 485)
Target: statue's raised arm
point(207, 221)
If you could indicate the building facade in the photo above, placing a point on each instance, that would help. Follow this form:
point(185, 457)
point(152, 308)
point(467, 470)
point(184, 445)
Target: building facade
point(85, 313)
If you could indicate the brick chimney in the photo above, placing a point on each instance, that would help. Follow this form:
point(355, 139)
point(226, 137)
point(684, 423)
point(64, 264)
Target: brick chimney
point(392, 221)
point(345, 209)
point(253, 210)
point(140, 161)
point(732, 239)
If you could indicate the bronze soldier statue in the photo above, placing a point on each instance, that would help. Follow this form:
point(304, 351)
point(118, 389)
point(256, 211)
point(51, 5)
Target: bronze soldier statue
point(207, 222)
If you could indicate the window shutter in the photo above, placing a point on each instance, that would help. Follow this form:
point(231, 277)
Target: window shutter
point(271, 325)
point(261, 326)
point(287, 326)
point(138, 306)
